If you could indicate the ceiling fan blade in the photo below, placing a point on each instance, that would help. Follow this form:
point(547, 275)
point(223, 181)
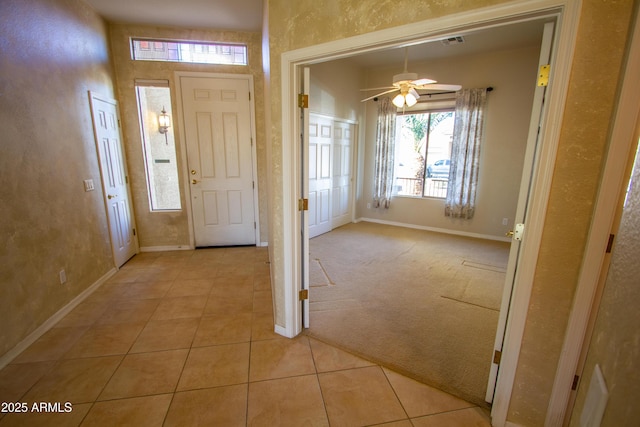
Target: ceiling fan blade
point(377, 95)
point(421, 82)
point(378, 88)
point(445, 87)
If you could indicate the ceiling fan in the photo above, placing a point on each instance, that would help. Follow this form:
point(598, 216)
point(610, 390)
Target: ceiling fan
point(408, 84)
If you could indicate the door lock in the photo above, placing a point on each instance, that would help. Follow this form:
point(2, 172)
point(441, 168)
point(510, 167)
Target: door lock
point(193, 172)
point(194, 181)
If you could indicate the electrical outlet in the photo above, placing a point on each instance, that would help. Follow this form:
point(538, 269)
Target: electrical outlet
point(368, 205)
point(505, 221)
point(63, 277)
point(88, 185)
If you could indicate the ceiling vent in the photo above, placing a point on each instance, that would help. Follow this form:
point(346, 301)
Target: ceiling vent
point(453, 40)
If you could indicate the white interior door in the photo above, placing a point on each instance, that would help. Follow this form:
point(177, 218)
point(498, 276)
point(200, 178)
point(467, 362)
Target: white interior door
point(331, 144)
point(218, 126)
point(320, 174)
point(114, 178)
point(528, 171)
point(342, 165)
point(305, 83)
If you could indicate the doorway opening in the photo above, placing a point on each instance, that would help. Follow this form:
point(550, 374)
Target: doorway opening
point(294, 61)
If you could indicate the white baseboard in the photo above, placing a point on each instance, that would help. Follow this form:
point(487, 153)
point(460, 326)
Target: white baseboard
point(510, 424)
point(280, 330)
point(436, 230)
point(51, 322)
point(165, 248)
point(181, 248)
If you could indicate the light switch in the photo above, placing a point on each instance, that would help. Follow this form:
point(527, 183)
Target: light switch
point(88, 185)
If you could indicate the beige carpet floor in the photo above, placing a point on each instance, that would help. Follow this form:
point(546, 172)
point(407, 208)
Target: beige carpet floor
point(423, 303)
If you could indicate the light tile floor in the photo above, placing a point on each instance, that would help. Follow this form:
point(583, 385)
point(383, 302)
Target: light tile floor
point(186, 339)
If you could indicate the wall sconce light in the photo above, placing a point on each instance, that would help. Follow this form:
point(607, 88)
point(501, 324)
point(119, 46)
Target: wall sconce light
point(164, 122)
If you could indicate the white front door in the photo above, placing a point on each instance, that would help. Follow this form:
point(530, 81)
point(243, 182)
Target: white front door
point(218, 126)
point(114, 178)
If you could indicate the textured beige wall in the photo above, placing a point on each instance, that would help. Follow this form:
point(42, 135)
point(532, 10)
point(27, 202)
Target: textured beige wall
point(52, 52)
point(615, 344)
point(171, 228)
point(512, 73)
point(602, 34)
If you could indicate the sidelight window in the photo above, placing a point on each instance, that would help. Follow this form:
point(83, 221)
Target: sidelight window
point(158, 144)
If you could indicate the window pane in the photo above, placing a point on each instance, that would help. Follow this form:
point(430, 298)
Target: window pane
point(159, 149)
point(423, 150)
point(195, 52)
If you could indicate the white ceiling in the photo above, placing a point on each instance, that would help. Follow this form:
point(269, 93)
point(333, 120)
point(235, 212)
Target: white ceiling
point(246, 15)
point(505, 37)
point(239, 15)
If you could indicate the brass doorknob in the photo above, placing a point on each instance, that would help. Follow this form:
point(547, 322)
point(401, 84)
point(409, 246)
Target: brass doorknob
point(193, 172)
point(194, 181)
point(111, 196)
point(509, 233)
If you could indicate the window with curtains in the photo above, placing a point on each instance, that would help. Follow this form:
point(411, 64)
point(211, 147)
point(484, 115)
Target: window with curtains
point(423, 153)
point(465, 153)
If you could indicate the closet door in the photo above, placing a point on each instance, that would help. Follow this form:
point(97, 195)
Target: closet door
point(320, 174)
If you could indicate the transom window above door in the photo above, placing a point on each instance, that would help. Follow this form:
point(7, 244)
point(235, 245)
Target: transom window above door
point(189, 51)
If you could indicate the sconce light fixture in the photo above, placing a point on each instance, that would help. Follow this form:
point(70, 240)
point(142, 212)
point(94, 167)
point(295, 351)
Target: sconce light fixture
point(164, 122)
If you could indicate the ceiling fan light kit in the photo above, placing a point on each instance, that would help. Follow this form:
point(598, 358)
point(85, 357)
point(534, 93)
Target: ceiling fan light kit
point(407, 84)
point(406, 97)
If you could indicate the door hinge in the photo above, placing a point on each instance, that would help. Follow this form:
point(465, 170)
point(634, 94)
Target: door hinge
point(134, 231)
point(303, 204)
point(253, 185)
point(517, 232)
point(543, 75)
point(576, 380)
point(249, 96)
point(303, 100)
point(303, 295)
point(254, 225)
point(497, 356)
point(126, 179)
point(610, 243)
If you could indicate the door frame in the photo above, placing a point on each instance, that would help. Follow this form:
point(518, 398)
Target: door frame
point(567, 14)
point(607, 212)
point(93, 96)
point(183, 146)
point(531, 156)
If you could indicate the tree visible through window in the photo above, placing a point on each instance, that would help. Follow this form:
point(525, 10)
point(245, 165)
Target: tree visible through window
point(423, 153)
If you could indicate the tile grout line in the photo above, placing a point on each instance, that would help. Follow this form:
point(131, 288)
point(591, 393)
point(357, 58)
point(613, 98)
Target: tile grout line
point(395, 393)
point(317, 375)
